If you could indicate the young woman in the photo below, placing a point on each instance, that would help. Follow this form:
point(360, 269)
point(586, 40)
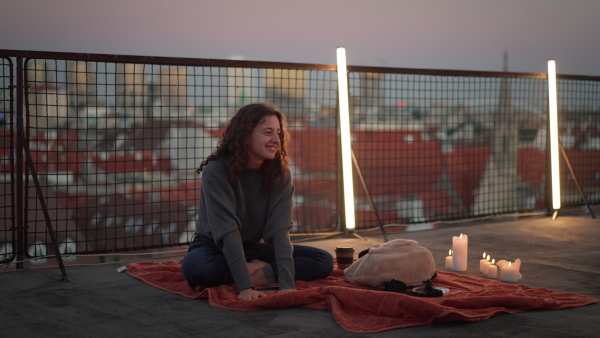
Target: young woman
point(245, 214)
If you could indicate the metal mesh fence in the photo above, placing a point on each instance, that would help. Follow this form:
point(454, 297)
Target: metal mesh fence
point(7, 170)
point(116, 141)
point(442, 147)
point(580, 137)
point(117, 146)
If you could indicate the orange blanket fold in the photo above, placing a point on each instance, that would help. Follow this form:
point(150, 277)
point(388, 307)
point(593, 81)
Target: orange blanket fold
point(360, 310)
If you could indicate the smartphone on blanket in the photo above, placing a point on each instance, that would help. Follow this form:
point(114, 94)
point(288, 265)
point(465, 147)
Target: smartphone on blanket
point(267, 288)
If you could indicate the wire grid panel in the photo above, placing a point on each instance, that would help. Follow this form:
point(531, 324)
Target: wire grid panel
point(579, 121)
point(438, 147)
point(7, 155)
point(116, 144)
point(116, 147)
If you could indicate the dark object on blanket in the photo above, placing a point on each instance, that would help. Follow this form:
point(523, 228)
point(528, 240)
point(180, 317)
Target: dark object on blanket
point(400, 287)
point(344, 255)
point(400, 259)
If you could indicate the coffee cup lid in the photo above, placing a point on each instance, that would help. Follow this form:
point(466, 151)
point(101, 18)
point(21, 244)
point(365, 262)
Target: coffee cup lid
point(344, 248)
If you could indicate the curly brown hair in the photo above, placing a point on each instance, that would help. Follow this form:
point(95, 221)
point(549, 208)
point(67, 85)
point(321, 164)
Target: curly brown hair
point(234, 143)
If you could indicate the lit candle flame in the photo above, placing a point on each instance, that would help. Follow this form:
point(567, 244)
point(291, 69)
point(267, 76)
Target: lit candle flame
point(484, 255)
point(461, 235)
point(450, 252)
point(488, 257)
point(509, 263)
point(493, 261)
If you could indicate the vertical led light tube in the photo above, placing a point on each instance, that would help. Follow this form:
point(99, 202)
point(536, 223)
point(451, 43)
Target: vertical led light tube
point(553, 125)
point(344, 111)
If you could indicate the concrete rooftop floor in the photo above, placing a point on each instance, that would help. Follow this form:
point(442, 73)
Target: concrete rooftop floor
point(97, 301)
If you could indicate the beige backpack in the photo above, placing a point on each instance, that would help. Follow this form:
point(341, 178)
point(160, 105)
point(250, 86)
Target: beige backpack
point(399, 259)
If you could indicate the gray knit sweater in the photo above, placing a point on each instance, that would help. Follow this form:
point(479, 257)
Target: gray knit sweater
point(233, 215)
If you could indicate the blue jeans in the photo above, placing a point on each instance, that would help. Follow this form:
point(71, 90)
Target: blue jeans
point(206, 265)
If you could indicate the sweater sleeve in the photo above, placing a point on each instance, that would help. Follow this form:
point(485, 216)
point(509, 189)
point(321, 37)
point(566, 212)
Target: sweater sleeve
point(218, 220)
point(234, 254)
point(277, 233)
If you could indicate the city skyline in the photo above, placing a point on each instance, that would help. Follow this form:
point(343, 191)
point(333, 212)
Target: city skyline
point(461, 34)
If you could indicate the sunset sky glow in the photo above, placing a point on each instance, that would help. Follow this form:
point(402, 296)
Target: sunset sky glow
point(434, 34)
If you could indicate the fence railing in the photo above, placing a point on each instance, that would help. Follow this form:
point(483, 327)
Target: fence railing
point(115, 141)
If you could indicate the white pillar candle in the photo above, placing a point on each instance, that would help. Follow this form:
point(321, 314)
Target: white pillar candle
point(460, 247)
point(449, 259)
point(482, 262)
point(486, 265)
point(510, 272)
point(492, 270)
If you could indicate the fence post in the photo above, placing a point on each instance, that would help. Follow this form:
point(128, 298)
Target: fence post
point(20, 168)
point(548, 188)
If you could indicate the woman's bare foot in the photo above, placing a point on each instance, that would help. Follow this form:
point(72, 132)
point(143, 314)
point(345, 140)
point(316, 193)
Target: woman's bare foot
point(255, 269)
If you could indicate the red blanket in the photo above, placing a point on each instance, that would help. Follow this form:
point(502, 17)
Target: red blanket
point(359, 310)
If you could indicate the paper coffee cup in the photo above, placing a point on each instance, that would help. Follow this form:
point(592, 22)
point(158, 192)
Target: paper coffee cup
point(344, 256)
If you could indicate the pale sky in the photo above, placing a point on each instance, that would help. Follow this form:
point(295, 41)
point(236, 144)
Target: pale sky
point(434, 34)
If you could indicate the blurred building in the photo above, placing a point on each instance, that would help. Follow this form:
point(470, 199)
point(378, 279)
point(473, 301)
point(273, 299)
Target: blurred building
point(288, 83)
point(48, 104)
point(371, 87)
point(285, 88)
point(172, 90)
point(239, 84)
point(38, 73)
point(130, 88)
point(48, 107)
point(81, 82)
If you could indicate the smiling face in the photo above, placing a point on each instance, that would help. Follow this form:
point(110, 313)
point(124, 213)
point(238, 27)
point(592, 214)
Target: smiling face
point(264, 141)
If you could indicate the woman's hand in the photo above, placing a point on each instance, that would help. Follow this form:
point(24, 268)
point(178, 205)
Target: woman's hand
point(250, 294)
